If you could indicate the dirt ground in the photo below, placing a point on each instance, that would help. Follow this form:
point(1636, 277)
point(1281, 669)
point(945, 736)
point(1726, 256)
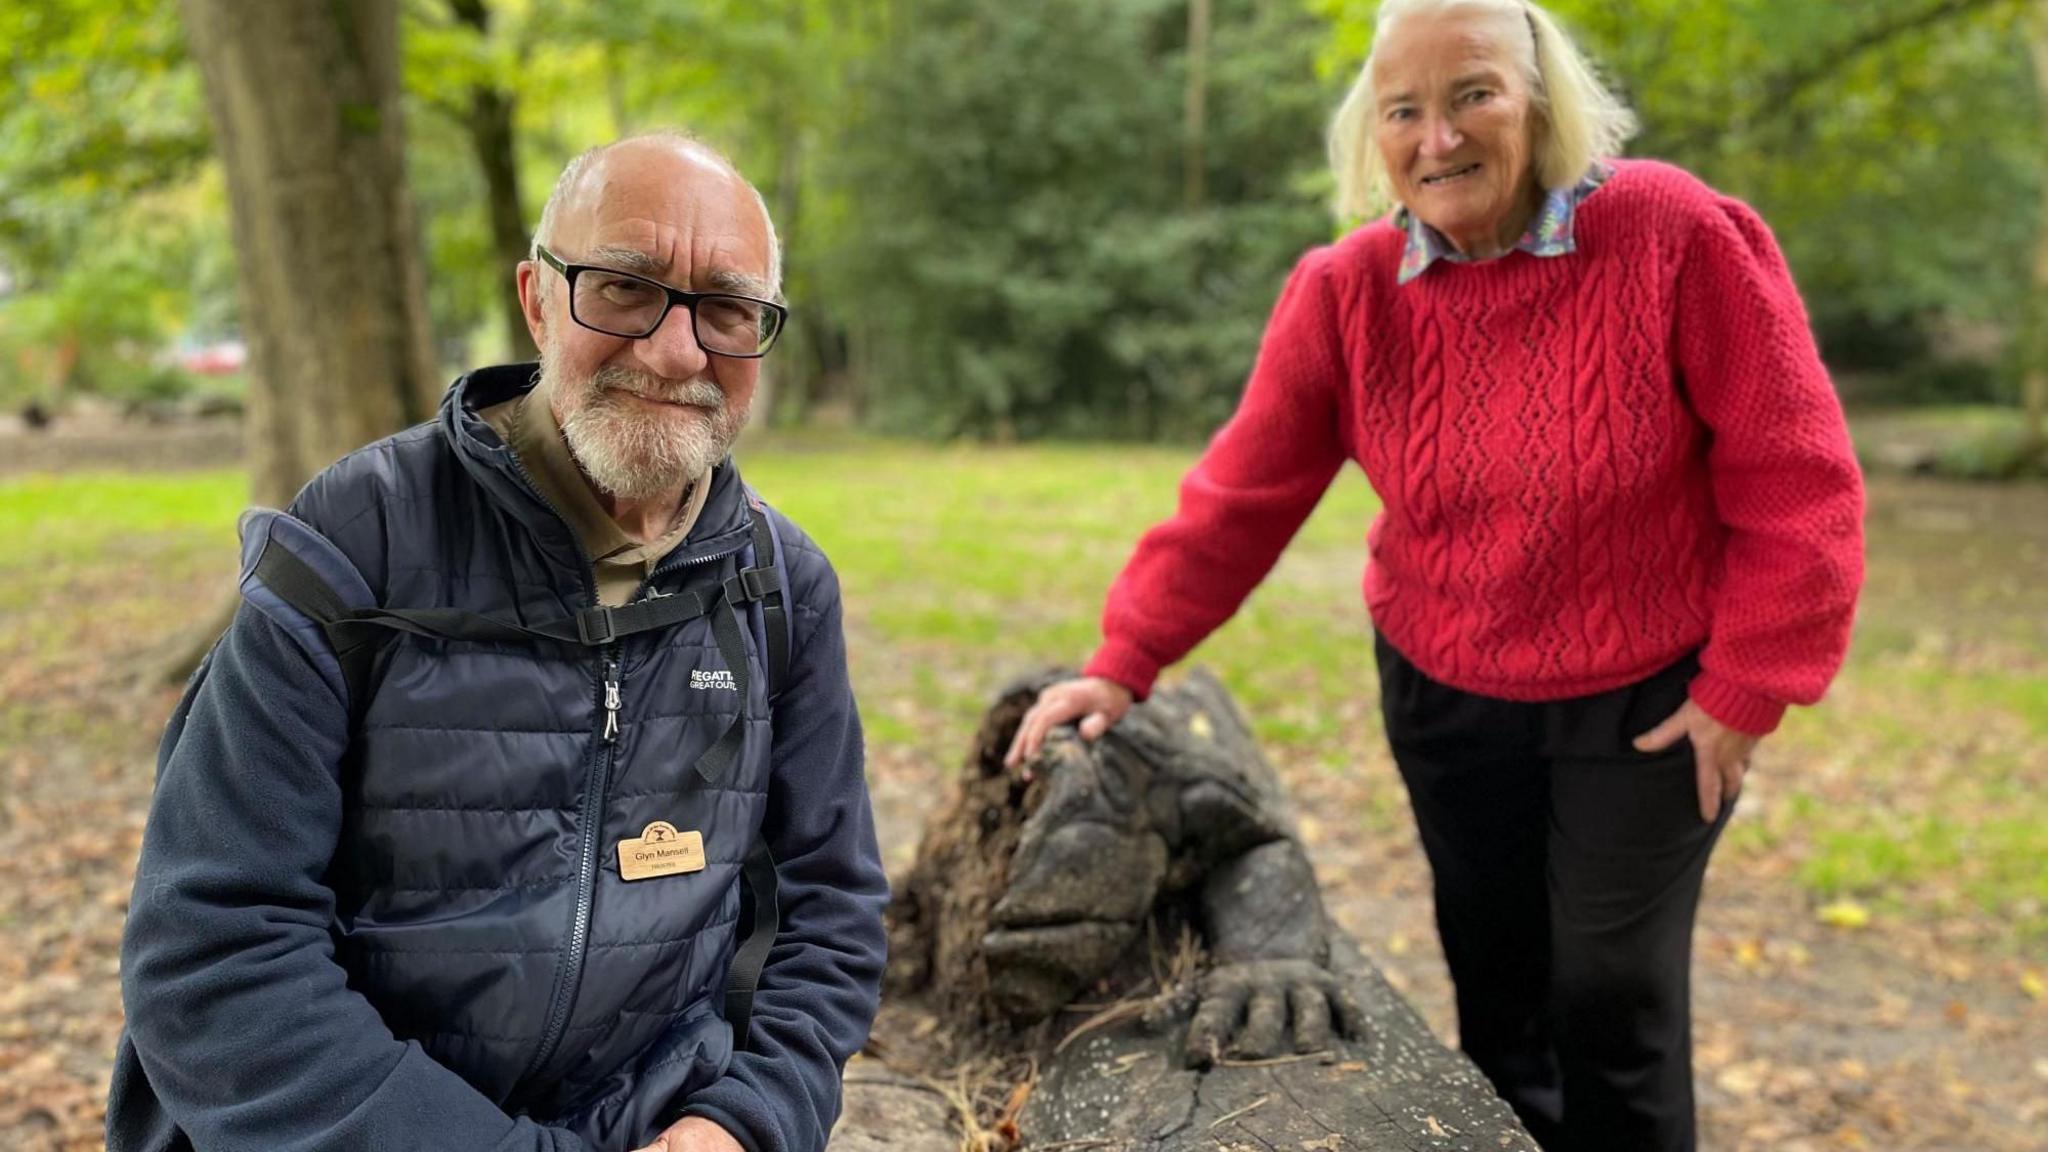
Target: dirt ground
point(1923, 1030)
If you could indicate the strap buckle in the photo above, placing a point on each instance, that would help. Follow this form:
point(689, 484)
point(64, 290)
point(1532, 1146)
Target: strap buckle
point(595, 626)
point(757, 583)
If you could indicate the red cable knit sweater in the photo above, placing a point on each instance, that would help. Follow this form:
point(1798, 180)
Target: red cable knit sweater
point(1589, 464)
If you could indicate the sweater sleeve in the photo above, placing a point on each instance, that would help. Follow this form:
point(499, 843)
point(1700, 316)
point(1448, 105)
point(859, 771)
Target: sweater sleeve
point(1784, 477)
point(822, 982)
point(1244, 500)
point(242, 1021)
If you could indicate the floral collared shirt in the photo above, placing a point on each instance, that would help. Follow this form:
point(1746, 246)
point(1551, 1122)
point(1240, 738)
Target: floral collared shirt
point(1549, 234)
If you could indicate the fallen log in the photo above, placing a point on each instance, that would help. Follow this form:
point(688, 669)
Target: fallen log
point(1125, 944)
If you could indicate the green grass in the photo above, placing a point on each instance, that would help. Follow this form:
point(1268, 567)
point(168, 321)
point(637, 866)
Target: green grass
point(1919, 787)
point(49, 519)
point(998, 559)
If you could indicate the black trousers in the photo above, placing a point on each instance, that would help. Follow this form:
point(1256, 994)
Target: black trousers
point(1567, 872)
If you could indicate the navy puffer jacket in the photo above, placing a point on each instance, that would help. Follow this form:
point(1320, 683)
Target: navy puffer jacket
point(415, 935)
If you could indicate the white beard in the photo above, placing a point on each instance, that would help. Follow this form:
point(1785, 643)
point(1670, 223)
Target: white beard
point(630, 450)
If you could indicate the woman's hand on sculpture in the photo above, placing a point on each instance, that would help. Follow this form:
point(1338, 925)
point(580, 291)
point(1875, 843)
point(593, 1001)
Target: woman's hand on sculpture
point(1097, 703)
point(1720, 753)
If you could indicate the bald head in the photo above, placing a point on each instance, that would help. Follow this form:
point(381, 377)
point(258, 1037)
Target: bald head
point(645, 175)
point(646, 415)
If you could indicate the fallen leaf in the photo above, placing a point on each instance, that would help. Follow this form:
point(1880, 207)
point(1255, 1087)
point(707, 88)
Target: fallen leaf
point(1311, 830)
point(1844, 914)
point(2032, 984)
point(1742, 1080)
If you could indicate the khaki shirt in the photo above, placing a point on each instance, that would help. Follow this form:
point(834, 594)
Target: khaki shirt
point(527, 425)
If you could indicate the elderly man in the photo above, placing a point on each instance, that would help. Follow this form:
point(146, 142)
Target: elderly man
point(450, 828)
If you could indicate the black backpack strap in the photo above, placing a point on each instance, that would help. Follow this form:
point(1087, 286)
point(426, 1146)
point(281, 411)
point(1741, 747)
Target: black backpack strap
point(295, 582)
point(356, 633)
point(590, 628)
point(760, 913)
point(298, 584)
point(764, 582)
point(732, 646)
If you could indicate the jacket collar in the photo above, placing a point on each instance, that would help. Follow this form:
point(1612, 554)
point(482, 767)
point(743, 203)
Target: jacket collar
point(721, 527)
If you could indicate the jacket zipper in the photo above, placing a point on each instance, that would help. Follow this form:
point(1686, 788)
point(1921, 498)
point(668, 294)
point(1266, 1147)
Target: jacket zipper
point(668, 565)
point(596, 786)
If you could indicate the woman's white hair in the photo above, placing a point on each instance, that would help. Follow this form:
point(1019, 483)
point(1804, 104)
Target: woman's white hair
point(1579, 119)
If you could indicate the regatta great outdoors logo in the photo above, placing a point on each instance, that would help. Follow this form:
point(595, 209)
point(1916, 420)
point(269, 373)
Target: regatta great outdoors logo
point(704, 681)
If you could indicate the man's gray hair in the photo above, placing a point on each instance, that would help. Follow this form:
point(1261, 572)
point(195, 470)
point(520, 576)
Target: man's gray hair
point(544, 232)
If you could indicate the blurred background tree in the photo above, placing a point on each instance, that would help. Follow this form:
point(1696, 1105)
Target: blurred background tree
point(1065, 219)
point(332, 289)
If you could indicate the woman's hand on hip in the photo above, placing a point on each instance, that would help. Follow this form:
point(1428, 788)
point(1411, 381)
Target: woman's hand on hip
point(1720, 753)
point(1095, 702)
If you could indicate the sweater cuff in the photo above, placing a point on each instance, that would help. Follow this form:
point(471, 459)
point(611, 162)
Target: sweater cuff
point(1125, 664)
point(1737, 707)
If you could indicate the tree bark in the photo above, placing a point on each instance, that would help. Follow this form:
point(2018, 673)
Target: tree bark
point(305, 107)
point(491, 134)
point(1398, 1090)
point(303, 95)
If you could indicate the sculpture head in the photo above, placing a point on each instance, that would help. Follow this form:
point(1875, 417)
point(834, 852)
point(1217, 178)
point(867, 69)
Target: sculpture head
point(1088, 867)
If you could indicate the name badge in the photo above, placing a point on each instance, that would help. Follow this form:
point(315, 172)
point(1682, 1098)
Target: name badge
point(660, 850)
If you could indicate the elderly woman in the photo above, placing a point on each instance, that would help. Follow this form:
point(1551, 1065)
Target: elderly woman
point(1620, 534)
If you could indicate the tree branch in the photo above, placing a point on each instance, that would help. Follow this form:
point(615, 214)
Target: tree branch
point(1782, 91)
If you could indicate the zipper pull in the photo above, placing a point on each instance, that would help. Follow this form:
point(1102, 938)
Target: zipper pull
point(611, 702)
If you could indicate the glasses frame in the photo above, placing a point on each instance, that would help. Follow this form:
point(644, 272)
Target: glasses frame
point(688, 300)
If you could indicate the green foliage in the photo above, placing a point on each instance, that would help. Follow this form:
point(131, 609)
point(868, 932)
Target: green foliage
point(1019, 257)
point(97, 104)
point(986, 226)
point(111, 222)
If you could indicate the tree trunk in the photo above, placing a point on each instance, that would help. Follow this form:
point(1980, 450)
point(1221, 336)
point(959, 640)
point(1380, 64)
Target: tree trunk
point(1195, 127)
point(490, 132)
point(2034, 361)
point(790, 376)
point(305, 107)
point(1398, 1090)
point(489, 123)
